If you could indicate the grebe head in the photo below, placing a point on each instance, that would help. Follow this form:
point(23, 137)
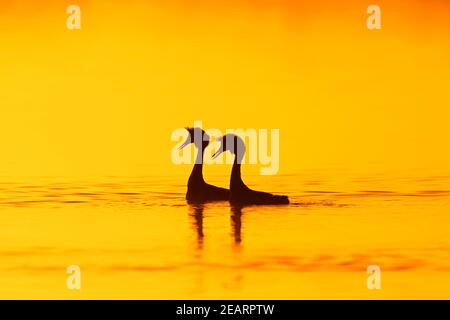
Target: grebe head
point(230, 142)
point(196, 136)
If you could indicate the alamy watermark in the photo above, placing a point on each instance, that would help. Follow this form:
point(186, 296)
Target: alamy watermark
point(373, 21)
point(73, 21)
point(373, 281)
point(262, 146)
point(73, 281)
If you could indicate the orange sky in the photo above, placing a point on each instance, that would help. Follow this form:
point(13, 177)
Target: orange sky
point(103, 100)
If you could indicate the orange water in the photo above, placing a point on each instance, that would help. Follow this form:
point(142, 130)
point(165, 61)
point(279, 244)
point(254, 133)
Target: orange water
point(137, 238)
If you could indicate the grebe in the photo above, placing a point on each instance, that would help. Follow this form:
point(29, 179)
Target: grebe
point(240, 194)
point(198, 190)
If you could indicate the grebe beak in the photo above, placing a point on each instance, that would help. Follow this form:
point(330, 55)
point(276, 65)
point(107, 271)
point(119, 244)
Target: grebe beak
point(219, 151)
point(185, 143)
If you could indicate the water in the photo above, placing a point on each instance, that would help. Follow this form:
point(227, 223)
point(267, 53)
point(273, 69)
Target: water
point(137, 238)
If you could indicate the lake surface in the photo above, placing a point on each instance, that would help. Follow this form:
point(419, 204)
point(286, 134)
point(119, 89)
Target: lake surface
point(137, 238)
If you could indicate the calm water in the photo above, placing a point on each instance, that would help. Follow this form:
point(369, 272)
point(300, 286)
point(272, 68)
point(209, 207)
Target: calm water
point(137, 238)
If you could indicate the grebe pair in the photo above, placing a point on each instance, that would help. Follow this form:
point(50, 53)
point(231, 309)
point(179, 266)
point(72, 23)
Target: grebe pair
point(239, 194)
point(198, 190)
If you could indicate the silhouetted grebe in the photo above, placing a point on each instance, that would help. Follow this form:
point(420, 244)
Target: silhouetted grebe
point(240, 194)
point(198, 190)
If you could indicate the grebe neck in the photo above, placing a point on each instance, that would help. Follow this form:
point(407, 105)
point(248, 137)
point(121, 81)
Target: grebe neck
point(236, 180)
point(197, 170)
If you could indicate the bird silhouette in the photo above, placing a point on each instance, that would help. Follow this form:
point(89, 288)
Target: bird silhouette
point(198, 190)
point(240, 194)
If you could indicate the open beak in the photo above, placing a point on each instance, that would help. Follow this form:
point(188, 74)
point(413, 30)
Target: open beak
point(185, 143)
point(218, 152)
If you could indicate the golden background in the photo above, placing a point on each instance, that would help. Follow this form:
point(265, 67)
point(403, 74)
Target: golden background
point(103, 100)
point(86, 119)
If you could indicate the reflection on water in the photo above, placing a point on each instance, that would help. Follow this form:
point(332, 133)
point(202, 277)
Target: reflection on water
point(137, 237)
point(197, 214)
point(236, 223)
